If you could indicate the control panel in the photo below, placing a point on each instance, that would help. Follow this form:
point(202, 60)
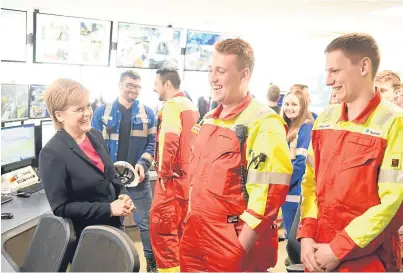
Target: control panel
point(15, 180)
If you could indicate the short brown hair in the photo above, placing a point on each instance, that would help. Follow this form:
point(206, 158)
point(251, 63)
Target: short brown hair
point(172, 75)
point(242, 49)
point(273, 94)
point(389, 76)
point(357, 46)
point(59, 95)
point(130, 74)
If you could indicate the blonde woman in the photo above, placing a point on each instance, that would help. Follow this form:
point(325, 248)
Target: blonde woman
point(75, 168)
point(300, 121)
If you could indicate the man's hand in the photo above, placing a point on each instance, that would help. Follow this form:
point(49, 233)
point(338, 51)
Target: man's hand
point(325, 257)
point(248, 237)
point(140, 170)
point(308, 255)
point(162, 181)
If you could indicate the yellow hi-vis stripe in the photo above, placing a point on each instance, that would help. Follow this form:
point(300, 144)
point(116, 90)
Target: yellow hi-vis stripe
point(172, 269)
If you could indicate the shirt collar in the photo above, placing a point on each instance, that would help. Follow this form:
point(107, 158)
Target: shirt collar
point(237, 110)
point(363, 116)
point(178, 94)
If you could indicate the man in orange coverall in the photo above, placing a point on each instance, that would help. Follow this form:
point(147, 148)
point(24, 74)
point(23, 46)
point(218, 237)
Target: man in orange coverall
point(353, 189)
point(230, 225)
point(169, 206)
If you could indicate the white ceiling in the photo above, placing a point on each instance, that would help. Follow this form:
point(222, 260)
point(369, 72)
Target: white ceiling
point(230, 15)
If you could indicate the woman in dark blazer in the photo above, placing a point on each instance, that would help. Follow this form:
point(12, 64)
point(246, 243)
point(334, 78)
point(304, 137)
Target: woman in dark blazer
point(75, 167)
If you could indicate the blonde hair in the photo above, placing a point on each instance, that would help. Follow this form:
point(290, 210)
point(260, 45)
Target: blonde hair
point(242, 49)
point(388, 76)
point(59, 95)
point(304, 115)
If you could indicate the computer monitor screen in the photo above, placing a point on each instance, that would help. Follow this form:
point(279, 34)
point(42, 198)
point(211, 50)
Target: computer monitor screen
point(48, 131)
point(17, 143)
point(14, 102)
point(37, 107)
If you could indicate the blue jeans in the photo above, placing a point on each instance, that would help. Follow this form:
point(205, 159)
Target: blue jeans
point(142, 197)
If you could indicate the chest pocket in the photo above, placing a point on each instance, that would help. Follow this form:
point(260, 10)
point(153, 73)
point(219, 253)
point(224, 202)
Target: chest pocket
point(224, 177)
point(361, 151)
point(360, 163)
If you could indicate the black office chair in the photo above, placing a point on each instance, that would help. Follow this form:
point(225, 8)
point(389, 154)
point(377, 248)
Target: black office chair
point(52, 246)
point(105, 249)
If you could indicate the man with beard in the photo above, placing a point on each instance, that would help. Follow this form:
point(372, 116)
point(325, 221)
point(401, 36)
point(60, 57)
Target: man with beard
point(169, 207)
point(128, 128)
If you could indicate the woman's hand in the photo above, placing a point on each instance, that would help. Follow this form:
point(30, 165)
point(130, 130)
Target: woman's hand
point(121, 208)
point(128, 201)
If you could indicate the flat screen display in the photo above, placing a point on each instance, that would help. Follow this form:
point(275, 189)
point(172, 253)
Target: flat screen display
point(14, 102)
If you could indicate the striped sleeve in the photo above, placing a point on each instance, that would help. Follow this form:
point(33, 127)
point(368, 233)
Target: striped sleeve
point(268, 184)
point(309, 205)
point(304, 137)
point(367, 230)
point(169, 136)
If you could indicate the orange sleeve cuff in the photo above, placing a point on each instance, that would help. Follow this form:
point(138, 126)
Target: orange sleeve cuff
point(307, 228)
point(342, 245)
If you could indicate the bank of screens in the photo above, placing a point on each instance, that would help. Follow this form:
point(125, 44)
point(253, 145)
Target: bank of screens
point(71, 40)
point(144, 46)
point(14, 102)
point(17, 144)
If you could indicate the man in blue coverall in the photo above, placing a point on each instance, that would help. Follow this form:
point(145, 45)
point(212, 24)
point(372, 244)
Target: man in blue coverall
point(129, 130)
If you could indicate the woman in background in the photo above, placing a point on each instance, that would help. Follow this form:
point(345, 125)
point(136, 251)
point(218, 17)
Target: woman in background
point(76, 170)
point(300, 122)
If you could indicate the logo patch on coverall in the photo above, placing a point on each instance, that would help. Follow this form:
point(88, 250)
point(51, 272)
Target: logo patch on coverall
point(395, 163)
point(196, 129)
point(232, 219)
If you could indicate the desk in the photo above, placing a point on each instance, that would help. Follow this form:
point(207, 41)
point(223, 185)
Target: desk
point(27, 212)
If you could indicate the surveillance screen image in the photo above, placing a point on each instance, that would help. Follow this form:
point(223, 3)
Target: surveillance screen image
point(17, 143)
point(14, 102)
point(37, 107)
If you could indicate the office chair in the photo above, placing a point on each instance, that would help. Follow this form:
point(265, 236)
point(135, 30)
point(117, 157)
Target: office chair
point(52, 245)
point(105, 249)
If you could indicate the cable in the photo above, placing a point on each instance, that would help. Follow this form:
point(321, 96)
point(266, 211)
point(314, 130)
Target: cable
point(241, 132)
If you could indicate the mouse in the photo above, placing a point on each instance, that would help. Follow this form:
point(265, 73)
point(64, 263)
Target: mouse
point(6, 215)
point(23, 194)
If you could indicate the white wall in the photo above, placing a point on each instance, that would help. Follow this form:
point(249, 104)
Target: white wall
point(287, 51)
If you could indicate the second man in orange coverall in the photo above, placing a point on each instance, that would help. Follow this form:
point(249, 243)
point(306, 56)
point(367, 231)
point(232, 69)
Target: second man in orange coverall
point(169, 206)
point(230, 226)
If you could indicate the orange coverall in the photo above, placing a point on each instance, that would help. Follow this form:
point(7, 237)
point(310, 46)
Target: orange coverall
point(353, 189)
point(169, 207)
point(217, 208)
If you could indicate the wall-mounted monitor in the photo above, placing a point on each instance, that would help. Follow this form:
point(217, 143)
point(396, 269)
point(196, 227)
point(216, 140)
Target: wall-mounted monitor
point(199, 49)
point(13, 29)
point(14, 102)
point(71, 40)
point(151, 47)
point(37, 107)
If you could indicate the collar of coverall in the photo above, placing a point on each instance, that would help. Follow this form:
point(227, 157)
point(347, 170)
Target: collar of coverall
point(237, 110)
point(371, 106)
point(178, 94)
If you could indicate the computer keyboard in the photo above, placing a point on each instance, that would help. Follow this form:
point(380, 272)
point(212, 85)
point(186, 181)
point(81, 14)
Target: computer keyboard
point(32, 188)
point(5, 199)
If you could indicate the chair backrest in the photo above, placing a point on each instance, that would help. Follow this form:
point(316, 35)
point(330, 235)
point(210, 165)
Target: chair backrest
point(105, 249)
point(52, 246)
